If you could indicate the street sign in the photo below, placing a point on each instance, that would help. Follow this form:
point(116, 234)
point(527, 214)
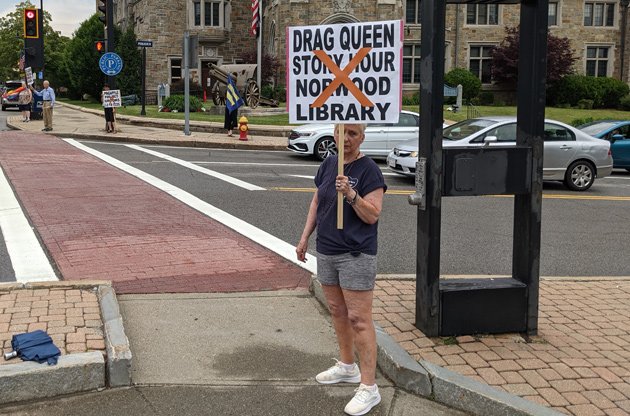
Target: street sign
point(145, 43)
point(110, 63)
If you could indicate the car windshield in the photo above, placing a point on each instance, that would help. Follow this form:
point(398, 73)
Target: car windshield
point(597, 128)
point(466, 128)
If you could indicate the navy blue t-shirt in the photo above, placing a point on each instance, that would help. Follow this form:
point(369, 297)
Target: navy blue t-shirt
point(356, 236)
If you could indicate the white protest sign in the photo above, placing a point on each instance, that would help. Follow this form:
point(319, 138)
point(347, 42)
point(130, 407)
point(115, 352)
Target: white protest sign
point(111, 98)
point(29, 75)
point(345, 72)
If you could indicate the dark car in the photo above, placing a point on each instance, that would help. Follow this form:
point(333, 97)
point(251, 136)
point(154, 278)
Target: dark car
point(617, 132)
point(10, 96)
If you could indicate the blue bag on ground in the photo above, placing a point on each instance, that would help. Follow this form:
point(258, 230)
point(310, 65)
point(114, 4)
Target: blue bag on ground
point(35, 346)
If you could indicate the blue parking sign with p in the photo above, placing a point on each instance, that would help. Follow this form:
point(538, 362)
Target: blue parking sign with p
point(110, 63)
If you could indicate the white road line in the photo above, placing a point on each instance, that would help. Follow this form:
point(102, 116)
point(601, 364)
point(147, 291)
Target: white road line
point(302, 176)
point(253, 164)
point(28, 259)
point(617, 177)
point(255, 234)
point(192, 166)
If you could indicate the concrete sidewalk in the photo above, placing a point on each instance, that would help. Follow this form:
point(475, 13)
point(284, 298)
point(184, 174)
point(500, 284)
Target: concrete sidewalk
point(578, 365)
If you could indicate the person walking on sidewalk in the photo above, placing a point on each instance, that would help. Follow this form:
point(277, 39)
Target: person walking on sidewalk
point(48, 96)
point(25, 98)
point(346, 262)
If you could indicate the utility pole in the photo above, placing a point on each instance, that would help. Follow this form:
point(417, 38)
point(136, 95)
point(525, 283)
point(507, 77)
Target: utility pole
point(186, 84)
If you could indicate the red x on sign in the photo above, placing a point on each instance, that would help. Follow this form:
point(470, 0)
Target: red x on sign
point(342, 77)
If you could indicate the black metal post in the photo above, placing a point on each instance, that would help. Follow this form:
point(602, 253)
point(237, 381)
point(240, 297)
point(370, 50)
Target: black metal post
point(144, 76)
point(532, 67)
point(111, 41)
point(430, 146)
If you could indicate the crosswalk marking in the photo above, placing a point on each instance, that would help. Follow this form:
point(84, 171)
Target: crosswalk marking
point(192, 166)
point(28, 259)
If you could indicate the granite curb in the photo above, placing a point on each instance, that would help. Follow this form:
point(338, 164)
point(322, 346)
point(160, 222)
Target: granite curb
point(195, 126)
point(444, 386)
point(75, 372)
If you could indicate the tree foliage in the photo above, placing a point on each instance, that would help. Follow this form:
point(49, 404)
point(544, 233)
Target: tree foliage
point(560, 58)
point(129, 81)
point(270, 67)
point(12, 43)
point(471, 85)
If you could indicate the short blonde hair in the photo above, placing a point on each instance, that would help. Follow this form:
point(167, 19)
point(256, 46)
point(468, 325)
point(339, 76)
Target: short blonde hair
point(361, 126)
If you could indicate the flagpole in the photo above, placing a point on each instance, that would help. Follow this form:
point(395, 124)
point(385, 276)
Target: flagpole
point(259, 53)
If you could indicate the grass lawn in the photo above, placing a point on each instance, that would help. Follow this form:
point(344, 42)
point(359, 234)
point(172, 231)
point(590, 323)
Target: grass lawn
point(566, 115)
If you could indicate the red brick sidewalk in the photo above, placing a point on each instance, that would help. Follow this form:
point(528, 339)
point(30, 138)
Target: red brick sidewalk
point(99, 223)
point(578, 364)
point(70, 316)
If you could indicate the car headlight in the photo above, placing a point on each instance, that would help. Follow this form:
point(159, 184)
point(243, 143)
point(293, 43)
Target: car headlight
point(413, 154)
point(297, 134)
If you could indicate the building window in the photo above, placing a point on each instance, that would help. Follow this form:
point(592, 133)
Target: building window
point(411, 64)
point(176, 69)
point(412, 12)
point(597, 61)
point(599, 14)
point(482, 14)
point(553, 14)
point(207, 13)
point(480, 62)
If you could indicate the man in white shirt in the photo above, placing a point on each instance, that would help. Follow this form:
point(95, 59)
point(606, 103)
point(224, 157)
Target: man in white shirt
point(48, 96)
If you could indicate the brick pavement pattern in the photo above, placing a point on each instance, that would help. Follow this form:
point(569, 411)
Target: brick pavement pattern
point(579, 363)
point(99, 223)
point(71, 317)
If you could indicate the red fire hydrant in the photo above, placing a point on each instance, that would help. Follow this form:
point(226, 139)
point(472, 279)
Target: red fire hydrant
point(242, 127)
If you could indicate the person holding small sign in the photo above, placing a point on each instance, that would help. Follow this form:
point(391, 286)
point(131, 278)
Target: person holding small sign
point(24, 102)
point(346, 261)
point(110, 119)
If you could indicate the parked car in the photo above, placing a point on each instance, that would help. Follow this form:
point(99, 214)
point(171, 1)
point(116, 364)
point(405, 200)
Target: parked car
point(617, 132)
point(317, 139)
point(10, 96)
point(570, 155)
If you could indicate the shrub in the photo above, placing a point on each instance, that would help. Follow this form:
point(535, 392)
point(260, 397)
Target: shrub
point(470, 83)
point(486, 98)
point(624, 103)
point(585, 104)
point(579, 121)
point(604, 92)
point(411, 99)
point(278, 93)
point(176, 103)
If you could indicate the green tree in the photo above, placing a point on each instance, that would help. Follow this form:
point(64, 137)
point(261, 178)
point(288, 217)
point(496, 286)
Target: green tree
point(81, 59)
point(128, 81)
point(12, 44)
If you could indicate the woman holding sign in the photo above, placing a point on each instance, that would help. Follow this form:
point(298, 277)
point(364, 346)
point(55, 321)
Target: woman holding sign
point(346, 261)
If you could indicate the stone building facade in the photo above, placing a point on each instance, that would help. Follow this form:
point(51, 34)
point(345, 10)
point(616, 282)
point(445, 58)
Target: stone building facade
point(594, 28)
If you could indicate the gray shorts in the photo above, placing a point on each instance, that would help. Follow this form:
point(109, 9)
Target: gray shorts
point(347, 271)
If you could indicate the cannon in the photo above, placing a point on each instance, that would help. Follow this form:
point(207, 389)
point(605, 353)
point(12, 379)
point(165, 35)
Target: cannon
point(245, 84)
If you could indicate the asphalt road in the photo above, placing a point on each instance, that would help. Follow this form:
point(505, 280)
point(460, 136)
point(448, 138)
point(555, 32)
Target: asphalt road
point(584, 234)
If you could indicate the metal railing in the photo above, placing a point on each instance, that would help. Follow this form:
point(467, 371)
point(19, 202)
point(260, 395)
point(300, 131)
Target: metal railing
point(472, 111)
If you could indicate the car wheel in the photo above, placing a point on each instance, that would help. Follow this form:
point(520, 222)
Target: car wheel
point(325, 147)
point(580, 176)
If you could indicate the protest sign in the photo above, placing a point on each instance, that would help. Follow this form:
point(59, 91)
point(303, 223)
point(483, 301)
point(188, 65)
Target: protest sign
point(344, 73)
point(29, 75)
point(112, 98)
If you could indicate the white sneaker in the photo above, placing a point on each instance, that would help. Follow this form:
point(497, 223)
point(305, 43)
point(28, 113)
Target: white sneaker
point(339, 374)
point(363, 401)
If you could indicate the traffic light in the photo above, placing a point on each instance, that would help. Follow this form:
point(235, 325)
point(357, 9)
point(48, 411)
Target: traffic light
point(102, 7)
point(31, 23)
point(100, 46)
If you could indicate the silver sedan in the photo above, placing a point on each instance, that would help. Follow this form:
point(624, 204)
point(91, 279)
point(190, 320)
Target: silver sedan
point(570, 155)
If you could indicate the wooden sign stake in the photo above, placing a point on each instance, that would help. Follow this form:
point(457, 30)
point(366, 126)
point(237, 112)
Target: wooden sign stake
point(342, 135)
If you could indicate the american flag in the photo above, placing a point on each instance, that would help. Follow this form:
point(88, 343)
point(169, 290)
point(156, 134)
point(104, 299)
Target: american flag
point(21, 62)
point(255, 18)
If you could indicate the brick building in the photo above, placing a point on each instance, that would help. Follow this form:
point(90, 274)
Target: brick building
point(595, 28)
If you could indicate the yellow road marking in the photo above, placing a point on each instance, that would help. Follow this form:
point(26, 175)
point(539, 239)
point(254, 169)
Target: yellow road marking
point(545, 196)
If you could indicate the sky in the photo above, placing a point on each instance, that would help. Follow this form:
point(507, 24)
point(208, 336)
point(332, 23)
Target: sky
point(67, 15)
